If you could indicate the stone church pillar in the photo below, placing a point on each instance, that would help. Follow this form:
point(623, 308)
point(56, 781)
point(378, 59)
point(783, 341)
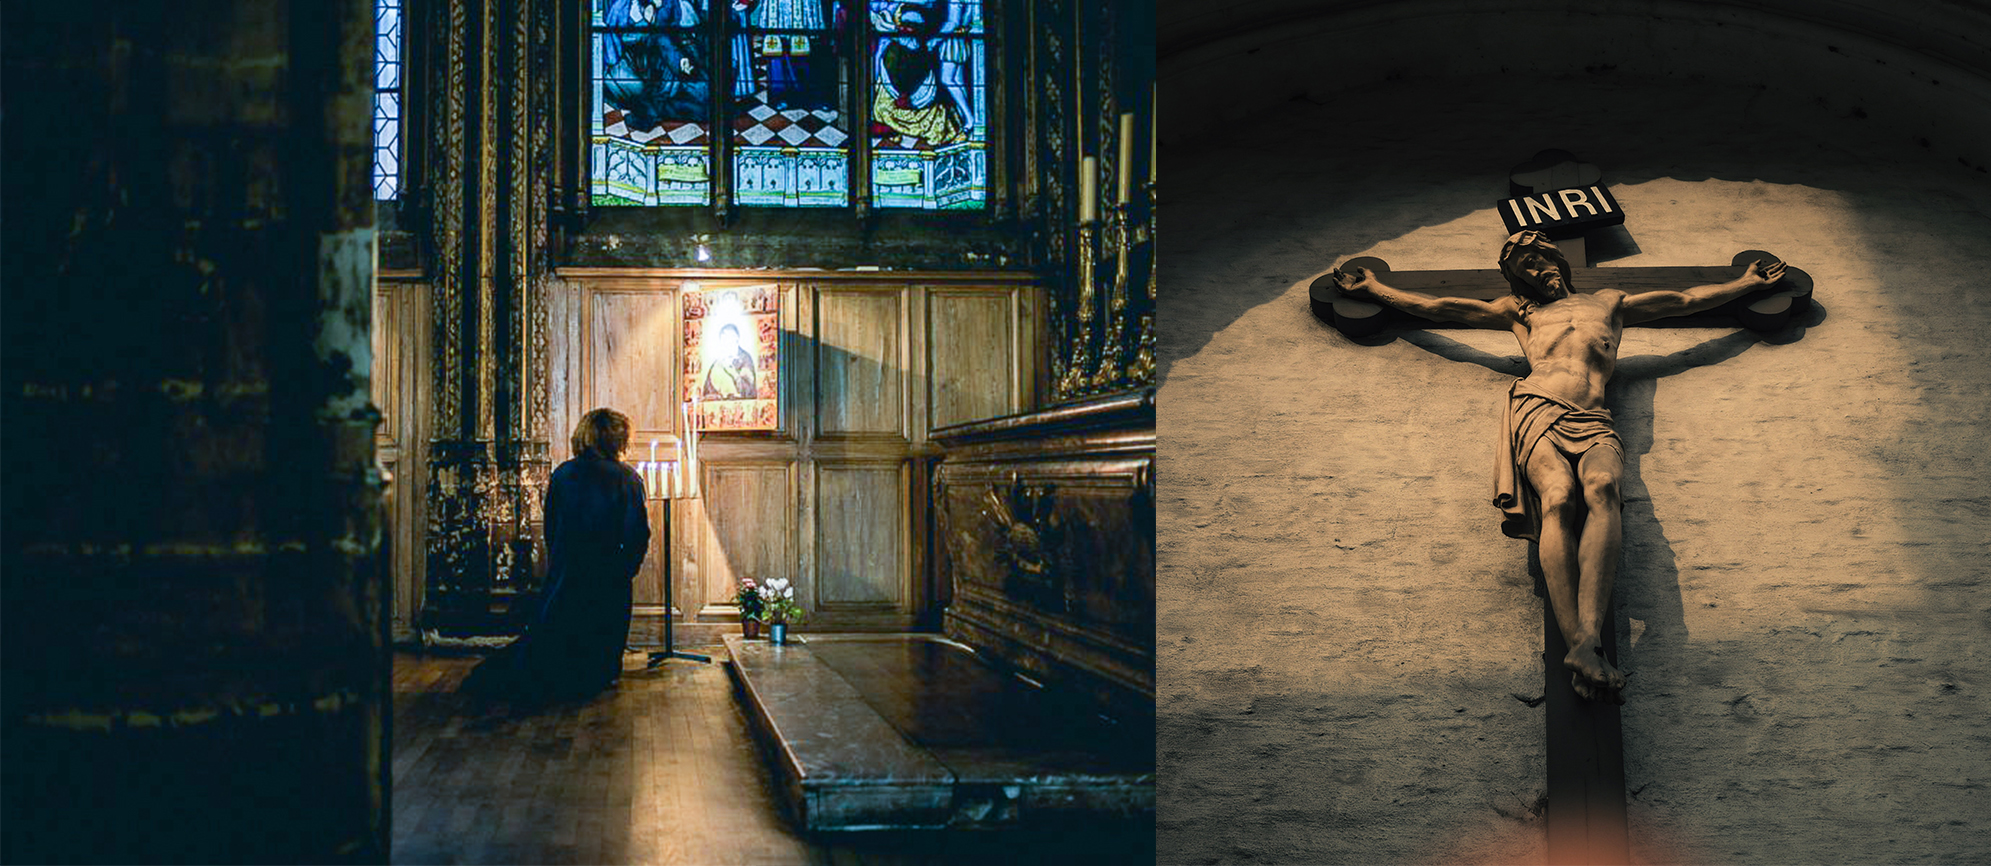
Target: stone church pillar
point(486, 248)
point(195, 664)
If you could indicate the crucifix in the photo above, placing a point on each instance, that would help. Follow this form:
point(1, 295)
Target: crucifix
point(1558, 472)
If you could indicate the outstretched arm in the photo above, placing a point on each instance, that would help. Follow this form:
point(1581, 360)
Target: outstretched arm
point(1646, 306)
point(1471, 312)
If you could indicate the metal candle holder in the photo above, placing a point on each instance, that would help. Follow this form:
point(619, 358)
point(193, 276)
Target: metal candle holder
point(686, 470)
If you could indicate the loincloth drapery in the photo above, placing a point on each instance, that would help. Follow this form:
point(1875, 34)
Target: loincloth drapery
point(1532, 417)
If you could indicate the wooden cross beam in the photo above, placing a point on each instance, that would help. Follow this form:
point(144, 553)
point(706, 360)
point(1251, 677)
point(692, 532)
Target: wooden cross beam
point(1766, 310)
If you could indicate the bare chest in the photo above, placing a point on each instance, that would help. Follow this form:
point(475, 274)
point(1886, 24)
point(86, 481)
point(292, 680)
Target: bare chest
point(1584, 328)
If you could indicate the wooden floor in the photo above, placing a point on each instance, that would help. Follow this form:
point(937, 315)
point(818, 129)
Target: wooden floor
point(661, 769)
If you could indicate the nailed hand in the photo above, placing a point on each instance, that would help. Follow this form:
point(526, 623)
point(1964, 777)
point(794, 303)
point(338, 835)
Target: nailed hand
point(1358, 282)
point(1762, 274)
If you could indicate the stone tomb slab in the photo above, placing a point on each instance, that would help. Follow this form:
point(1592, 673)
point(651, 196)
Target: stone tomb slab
point(915, 731)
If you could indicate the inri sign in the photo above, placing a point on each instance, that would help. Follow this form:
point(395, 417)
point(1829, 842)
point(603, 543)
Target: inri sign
point(1562, 213)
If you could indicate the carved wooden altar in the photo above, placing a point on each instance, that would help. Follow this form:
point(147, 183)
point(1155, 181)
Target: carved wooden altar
point(1047, 548)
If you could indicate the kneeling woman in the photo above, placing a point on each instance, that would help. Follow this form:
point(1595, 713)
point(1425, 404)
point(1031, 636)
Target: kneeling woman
point(597, 532)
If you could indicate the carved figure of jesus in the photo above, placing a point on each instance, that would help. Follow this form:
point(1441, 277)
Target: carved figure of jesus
point(1561, 462)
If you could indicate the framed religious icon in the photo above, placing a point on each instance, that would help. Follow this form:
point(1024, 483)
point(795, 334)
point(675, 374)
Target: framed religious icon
point(732, 357)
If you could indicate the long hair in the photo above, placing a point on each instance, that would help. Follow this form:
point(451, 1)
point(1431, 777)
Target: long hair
point(602, 433)
point(1521, 242)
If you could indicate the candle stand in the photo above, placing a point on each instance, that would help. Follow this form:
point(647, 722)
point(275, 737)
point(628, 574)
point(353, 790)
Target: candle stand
point(670, 650)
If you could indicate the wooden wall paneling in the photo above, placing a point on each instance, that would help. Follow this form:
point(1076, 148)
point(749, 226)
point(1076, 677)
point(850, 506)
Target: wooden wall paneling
point(647, 587)
point(691, 544)
point(919, 367)
point(631, 364)
point(629, 338)
point(861, 536)
point(861, 362)
point(688, 524)
point(564, 382)
point(919, 605)
point(400, 391)
point(579, 302)
point(386, 371)
point(1034, 389)
point(974, 355)
point(387, 440)
point(750, 510)
point(835, 500)
point(802, 405)
point(798, 362)
point(417, 372)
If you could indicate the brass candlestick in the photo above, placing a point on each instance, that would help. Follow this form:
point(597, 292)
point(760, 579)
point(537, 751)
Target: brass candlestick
point(1110, 350)
point(1075, 378)
point(1143, 367)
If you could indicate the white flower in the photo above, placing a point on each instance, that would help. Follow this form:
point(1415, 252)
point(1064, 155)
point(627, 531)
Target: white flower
point(779, 588)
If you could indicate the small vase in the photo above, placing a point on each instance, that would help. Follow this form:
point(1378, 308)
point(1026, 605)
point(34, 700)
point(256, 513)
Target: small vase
point(750, 627)
point(777, 633)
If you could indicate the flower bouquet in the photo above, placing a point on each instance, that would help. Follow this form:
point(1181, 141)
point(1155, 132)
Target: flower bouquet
point(778, 607)
point(752, 607)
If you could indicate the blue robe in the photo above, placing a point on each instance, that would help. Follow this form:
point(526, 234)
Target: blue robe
point(597, 532)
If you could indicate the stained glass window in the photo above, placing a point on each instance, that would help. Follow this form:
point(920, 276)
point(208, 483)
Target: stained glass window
point(929, 104)
point(387, 99)
point(787, 101)
point(789, 134)
point(652, 98)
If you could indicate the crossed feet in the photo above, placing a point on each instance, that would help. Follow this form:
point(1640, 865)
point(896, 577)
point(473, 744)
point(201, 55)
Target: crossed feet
point(1592, 675)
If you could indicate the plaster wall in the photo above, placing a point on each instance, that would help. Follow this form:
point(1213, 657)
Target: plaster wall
point(1345, 638)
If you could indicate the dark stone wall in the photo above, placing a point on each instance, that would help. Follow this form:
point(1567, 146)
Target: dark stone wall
point(1919, 73)
point(194, 665)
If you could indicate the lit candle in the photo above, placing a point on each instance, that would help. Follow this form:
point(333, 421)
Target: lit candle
point(1088, 189)
point(1126, 169)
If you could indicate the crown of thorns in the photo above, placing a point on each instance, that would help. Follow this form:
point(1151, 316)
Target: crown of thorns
point(1526, 241)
